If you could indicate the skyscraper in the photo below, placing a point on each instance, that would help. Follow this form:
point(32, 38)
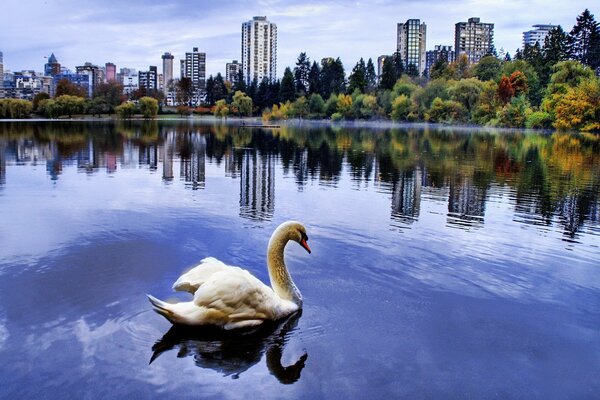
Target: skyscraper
point(1, 71)
point(167, 59)
point(111, 71)
point(232, 71)
point(411, 43)
point(475, 39)
point(537, 35)
point(148, 79)
point(194, 67)
point(52, 67)
point(259, 49)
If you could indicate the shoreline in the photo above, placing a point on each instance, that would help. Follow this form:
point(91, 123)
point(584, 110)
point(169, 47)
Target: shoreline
point(257, 123)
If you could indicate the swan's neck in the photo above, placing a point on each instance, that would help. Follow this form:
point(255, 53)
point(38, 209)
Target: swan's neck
point(281, 281)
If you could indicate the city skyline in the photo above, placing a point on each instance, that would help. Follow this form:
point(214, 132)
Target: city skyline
point(86, 32)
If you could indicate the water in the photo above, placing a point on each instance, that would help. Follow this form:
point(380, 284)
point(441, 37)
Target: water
point(446, 263)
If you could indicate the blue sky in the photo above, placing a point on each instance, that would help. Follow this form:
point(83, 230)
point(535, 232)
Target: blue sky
point(136, 33)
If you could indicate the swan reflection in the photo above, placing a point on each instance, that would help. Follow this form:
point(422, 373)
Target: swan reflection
point(232, 352)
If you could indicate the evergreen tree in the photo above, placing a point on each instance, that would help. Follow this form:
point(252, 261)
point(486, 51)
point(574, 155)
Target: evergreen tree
point(301, 72)
point(584, 40)
point(219, 90)
point(262, 94)
point(240, 83)
point(555, 49)
point(507, 57)
point(273, 93)
point(398, 65)
point(358, 78)
point(388, 74)
point(253, 89)
point(333, 78)
point(287, 91)
point(210, 87)
point(371, 76)
point(314, 78)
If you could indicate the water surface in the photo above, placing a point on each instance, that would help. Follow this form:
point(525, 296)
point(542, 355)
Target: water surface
point(446, 263)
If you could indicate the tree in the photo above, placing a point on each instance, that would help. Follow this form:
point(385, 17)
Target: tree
point(210, 88)
point(579, 108)
point(388, 75)
point(240, 82)
point(412, 70)
point(221, 109)
point(488, 68)
point(38, 98)
point(70, 104)
point(555, 49)
point(242, 104)
point(439, 69)
point(371, 76)
point(111, 91)
point(316, 106)
point(505, 90)
point(262, 99)
point(66, 87)
point(534, 93)
point(401, 108)
point(125, 110)
point(314, 79)
point(466, 92)
point(584, 40)
point(287, 91)
point(358, 79)
point(219, 90)
point(333, 77)
point(185, 91)
point(301, 72)
point(148, 107)
point(98, 106)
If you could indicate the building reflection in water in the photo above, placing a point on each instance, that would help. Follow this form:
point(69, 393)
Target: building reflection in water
point(192, 152)
point(148, 156)
point(257, 185)
point(168, 152)
point(466, 202)
point(406, 196)
point(3, 155)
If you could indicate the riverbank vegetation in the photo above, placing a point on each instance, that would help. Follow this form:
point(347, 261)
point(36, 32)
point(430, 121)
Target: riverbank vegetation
point(554, 85)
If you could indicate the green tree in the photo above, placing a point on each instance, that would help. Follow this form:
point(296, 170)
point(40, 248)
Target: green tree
point(488, 68)
point(70, 104)
point(301, 72)
point(584, 40)
point(440, 69)
point(388, 75)
point(333, 77)
point(314, 79)
point(401, 107)
point(126, 110)
point(515, 113)
point(331, 105)
point(555, 49)
point(370, 76)
point(98, 106)
point(148, 107)
point(221, 109)
point(358, 79)
point(466, 92)
point(316, 106)
point(287, 91)
point(242, 103)
point(38, 98)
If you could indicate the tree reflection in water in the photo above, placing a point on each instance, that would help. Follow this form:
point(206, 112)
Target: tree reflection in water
point(232, 352)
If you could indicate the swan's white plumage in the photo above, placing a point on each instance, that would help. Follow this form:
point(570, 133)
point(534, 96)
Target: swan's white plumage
point(230, 297)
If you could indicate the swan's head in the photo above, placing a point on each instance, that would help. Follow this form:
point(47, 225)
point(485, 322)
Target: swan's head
point(293, 230)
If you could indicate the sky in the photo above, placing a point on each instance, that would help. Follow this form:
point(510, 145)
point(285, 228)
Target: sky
point(135, 33)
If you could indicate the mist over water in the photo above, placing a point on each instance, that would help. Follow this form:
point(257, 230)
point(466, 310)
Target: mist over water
point(446, 262)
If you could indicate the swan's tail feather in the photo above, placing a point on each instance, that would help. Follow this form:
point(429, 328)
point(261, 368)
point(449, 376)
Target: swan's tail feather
point(162, 308)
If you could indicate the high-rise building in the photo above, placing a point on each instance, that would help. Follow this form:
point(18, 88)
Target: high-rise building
point(232, 71)
point(167, 60)
point(129, 79)
point(537, 35)
point(148, 79)
point(411, 39)
point(259, 49)
point(439, 52)
point(475, 39)
point(111, 71)
point(1, 71)
point(95, 73)
point(194, 67)
point(52, 67)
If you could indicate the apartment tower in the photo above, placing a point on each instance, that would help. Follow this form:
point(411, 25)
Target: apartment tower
point(475, 39)
point(411, 43)
point(259, 49)
point(167, 60)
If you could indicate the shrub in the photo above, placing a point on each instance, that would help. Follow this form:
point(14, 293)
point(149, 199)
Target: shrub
point(538, 120)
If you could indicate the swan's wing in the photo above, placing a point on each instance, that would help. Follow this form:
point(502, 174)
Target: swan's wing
point(195, 277)
point(233, 296)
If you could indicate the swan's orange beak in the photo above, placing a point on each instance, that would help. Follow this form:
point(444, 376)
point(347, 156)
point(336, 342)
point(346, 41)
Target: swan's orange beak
point(305, 245)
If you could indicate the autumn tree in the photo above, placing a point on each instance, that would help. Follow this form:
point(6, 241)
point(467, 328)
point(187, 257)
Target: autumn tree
point(66, 87)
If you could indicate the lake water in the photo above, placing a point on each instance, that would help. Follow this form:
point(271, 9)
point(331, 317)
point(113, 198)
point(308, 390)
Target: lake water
point(447, 263)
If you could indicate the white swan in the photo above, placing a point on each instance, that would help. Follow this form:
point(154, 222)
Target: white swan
point(230, 297)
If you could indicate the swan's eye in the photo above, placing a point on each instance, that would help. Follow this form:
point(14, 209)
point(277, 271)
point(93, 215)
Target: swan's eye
point(304, 236)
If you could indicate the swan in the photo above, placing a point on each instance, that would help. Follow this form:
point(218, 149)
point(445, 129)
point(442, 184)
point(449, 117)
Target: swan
point(230, 297)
